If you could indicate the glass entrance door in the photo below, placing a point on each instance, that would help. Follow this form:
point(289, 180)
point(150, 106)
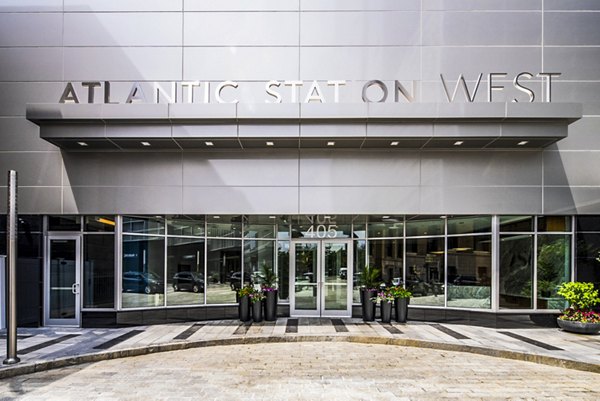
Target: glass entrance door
point(320, 275)
point(62, 282)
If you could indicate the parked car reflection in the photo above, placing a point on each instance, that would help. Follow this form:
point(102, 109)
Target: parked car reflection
point(190, 281)
point(146, 282)
point(235, 280)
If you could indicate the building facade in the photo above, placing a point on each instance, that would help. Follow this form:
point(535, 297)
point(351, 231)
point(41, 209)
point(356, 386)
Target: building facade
point(169, 151)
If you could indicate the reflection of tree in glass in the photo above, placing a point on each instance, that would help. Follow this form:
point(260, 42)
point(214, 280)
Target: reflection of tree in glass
point(515, 265)
point(552, 264)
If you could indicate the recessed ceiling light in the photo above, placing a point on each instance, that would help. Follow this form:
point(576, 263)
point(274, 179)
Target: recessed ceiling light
point(458, 143)
point(272, 217)
point(216, 217)
point(82, 144)
point(209, 143)
point(331, 143)
point(385, 217)
point(522, 143)
point(145, 143)
point(395, 143)
point(269, 143)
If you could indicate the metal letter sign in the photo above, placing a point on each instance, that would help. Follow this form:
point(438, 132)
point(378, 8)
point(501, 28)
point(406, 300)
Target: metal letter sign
point(297, 91)
point(321, 227)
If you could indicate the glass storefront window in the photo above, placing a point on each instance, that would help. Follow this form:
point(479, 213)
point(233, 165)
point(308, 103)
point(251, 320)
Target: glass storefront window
point(360, 256)
point(26, 223)
point(554, 223)
point(185, 225)
point(283, 229)
point(469, 224)
point(462, 278)
point(98, 271)
point(185, 271)
point(588, 249)
point(283, 267)
point(64, 223)
point(224, 270)
point(386, 255)
point(359, 231)
point(553, 269)
point(143, 271)
point(420, 226)
point(224, 226)
point(385, 229)
point(99, 224)
point(143, 225)
point(425, 270)
point(516, 224)
point(259, 226)
point(470, 271)
point(588, 223)
point(516, 271)
point(258, 256)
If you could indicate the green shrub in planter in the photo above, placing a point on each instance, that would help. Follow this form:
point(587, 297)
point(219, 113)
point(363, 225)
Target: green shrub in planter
point(579, 317)
point(579, 295)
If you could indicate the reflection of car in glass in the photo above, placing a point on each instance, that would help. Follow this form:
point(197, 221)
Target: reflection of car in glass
point(146, 282)
point(190, 281)
point(419, 287)
point(343, 272)
point(465, 280)
point(305, 281)
point(235, 280)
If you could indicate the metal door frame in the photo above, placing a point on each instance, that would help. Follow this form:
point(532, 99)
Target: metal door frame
point(76, 288)
point(320, 309)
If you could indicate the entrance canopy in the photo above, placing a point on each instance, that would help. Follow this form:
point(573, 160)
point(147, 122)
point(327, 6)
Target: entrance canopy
point(313, 125)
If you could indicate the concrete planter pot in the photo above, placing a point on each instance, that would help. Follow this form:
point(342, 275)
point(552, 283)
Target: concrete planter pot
point(257, 311)
point(368, 306)
point(244, 308)
point(386, 311)
point(578, 327)
point(401, 309)
point(271, 306)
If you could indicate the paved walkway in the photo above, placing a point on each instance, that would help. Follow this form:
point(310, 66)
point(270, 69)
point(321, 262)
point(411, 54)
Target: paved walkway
point(50, 348)
point(305, 371)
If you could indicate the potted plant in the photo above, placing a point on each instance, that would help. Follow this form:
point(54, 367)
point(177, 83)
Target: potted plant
point(244, 302)
point(270, 291)
point(385, 300)
point(579, 316)
point(369, 282)
point(401, 300)
point(256, 298)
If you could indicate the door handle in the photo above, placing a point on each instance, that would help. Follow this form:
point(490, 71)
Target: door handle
point(75, 288)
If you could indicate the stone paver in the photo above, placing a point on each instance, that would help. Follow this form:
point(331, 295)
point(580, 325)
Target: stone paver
point(576, 351)
point(305, 371)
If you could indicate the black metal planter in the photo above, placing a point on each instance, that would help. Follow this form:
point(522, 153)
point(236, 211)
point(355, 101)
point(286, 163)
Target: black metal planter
point(244, 308)
point(386, 312)
point(401, 306)
point(257, 311)
point(271, 305)
point(368, 306)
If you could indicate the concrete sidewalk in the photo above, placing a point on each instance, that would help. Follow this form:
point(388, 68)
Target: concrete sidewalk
point(48, 348)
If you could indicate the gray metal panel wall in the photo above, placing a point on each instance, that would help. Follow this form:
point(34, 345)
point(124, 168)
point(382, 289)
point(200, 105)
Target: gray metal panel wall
point(141, 40)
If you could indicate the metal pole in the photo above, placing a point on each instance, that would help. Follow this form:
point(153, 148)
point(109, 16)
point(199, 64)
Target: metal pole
point(11, 272)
